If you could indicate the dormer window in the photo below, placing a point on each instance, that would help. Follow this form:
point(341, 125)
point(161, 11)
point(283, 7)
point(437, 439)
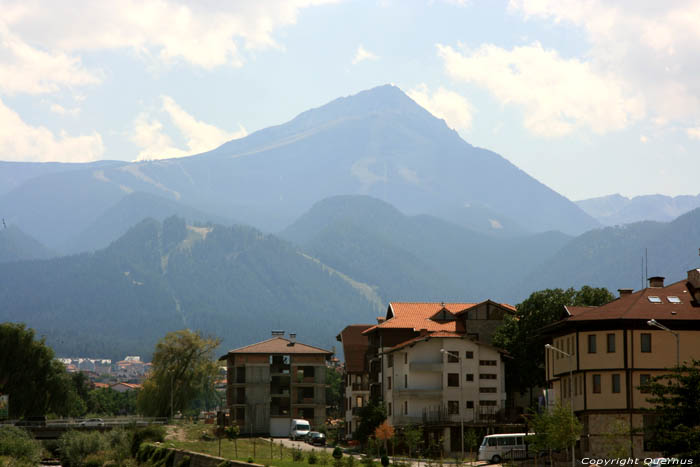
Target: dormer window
point(673, 299)
point(654, 299)
point(443, 315)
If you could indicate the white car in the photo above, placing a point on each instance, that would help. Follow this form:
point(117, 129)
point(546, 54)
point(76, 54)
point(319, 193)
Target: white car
point(93, 422)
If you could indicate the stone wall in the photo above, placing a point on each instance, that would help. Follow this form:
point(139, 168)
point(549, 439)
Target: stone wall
point(204, 460)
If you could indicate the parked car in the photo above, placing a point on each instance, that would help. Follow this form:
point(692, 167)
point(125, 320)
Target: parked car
point(93, 422)
point(316, 439)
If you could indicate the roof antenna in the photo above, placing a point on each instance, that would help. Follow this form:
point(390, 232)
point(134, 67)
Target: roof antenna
point(646, 265)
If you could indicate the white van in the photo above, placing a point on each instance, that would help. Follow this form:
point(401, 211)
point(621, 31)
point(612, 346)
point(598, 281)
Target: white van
point(495, 448)
point(299, 429)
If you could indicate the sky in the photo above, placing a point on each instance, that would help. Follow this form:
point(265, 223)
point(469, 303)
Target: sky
point(589, 97)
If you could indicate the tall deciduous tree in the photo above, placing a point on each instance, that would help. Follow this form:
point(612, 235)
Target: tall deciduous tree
point(520, 333)
point(183, 368)
point(36, 383)
point(676, 432)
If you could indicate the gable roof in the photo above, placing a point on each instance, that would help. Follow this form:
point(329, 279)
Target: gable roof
point(637, 306)
point(279, 345)
point(355, 346)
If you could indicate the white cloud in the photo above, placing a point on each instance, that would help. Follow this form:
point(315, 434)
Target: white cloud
point(557, 95)
point(649, 46)
point(26, 69)
point(149, 134)
point(22, 142)
point(693, 133)
point(445, 104)
point(60, 110)
point(363, 54)
point(206, 34)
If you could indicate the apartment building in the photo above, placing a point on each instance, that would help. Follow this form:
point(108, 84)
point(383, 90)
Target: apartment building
point(355, 375)
point(421, 384)
point(274, 381)
point(613, 350)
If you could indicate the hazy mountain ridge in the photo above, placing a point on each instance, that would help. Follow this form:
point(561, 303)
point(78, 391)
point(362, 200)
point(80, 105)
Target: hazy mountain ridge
point(16, 245)
point(617, 209)
point(612, 257)
point(378, 142)
point(415, 257)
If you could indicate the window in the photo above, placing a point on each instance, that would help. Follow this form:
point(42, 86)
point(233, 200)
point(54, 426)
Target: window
point(654, 299)
point(646, 342)
point(568, 346)
point(616, 383)
point(470, 377)
point(487, 403)
point(470, 404)
point(390, 361)
point(611, 343)
point(453, 379)
point(452, 357)
point(388, 409)
point(405, 381)
point(591, 343)
point(469, 354)
point(487, 362)
point(596, 384)
point(487, 376)
point(405, 358)
point(452, 407)
point(643, 382)
point(405, 407)
point(487, 390)
point(673, 299)
point(388, 382)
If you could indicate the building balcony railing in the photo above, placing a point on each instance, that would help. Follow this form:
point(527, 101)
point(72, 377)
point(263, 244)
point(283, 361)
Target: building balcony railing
point(360, 386)
point(436, 393)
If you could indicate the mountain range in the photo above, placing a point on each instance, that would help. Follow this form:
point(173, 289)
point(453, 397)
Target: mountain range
point(378, 143)
point(618, 210)
point(365, 200)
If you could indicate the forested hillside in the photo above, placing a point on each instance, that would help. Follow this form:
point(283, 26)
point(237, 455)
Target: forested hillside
point(233, 282)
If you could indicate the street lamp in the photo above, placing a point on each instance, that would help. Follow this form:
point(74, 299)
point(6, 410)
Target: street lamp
point(652, 322)
point(461, 398)
point(571, 399)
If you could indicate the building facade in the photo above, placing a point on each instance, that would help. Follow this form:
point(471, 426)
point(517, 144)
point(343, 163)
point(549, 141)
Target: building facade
point(272, 382)
point(355, 375)
point(418, 383)
point(613, 351)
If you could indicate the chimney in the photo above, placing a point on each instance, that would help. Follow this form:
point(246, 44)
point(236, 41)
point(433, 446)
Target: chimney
point(292, 338)
point(656, 281)
point(625, 292)
point(380, 319)
point(694, 283)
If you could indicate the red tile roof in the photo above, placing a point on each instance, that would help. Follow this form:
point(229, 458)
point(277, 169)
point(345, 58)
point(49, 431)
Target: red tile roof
point(416, 316)
point(279, 345)
point(637, 306)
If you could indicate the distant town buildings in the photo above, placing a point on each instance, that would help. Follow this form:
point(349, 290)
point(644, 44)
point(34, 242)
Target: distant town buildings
point(130, 371)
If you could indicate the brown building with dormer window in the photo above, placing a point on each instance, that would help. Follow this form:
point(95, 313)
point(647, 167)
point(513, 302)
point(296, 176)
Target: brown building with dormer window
point(274, 381)
point(614, 351)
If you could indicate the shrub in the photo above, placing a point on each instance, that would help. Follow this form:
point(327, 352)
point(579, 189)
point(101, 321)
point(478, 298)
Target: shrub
point(18, 444)
point(75, 446)
point(312, 459)
point(148, 433)
point(368, 461)
point(350, 461)
point(251, 460)
point(324, 458)
point(184, 462)
point(337, 452)
point(297, 455)
point(94, 460)
point(385, 460)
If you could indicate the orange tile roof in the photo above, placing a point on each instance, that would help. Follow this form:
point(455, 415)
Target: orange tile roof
point(638, 306)
point(416, 316)
point(279, 345)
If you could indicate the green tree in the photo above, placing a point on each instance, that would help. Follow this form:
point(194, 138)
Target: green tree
point(183, 368)
point(36, 383)
point(371, 416)
point(413, 435)
point(555, 429)
point(676, 395)
point(520, 332)
point(334, 391)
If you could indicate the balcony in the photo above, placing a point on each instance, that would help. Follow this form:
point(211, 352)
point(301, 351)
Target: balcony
point(360, 386)
point(432, 367)
point(420, 393)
